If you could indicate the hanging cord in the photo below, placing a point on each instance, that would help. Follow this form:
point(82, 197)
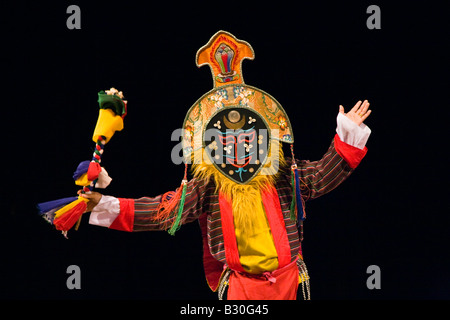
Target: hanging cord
point(293, 155)
point(304, 278)
point(97, 158)
point(224, 283)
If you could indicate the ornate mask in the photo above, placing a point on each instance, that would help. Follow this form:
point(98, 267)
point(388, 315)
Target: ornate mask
point(236, 141)
point(233, 122)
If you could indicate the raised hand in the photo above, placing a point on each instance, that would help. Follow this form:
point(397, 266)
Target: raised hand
point(358, 113)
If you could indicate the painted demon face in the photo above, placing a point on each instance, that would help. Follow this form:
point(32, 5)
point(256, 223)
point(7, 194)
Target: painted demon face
point(236, 141)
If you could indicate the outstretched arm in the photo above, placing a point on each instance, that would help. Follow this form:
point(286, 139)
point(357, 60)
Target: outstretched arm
point(140, 214)
point(343, 156)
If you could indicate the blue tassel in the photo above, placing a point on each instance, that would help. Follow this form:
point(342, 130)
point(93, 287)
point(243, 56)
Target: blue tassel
point(47, 209)
point(49, 205)
point(298, 198)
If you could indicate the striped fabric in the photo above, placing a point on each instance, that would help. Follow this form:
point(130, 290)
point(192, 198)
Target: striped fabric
point(319, 177)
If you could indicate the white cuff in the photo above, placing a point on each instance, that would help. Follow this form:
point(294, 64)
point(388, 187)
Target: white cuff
point(350, 133)
point(105, 212)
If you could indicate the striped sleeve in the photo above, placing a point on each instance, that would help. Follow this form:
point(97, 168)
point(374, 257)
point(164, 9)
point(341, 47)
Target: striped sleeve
point(145, 209)
point(322, 176)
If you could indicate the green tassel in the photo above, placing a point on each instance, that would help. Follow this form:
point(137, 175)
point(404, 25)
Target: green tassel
point(176, 224)
point(293, 204)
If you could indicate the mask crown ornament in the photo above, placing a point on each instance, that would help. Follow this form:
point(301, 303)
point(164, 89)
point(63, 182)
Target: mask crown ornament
point(233, 123)
point(224, 55)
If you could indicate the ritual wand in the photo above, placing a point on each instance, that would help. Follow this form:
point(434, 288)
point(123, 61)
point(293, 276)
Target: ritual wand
point(64, 213)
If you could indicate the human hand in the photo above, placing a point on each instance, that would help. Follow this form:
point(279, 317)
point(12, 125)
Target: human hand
point(358, 113)
point(93, 197)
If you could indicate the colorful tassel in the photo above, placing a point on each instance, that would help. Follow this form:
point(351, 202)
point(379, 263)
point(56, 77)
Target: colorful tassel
point(176, 224)
point(48, 209)
point(299, 200)
point(49, 216)
point(169, 202)
point(297, 203)
point(66, 217)
point(50, 205)
point(293, 209)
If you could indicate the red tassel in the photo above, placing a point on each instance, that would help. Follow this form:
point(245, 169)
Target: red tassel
point(93, 171)
point(169, 201)
point(66, 221)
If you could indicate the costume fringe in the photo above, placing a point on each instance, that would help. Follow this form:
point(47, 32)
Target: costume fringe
point(67, 216)
point(304, 279)
point(176, 224)
point(48, 209)
point(203, 169)
point(169, 202)
point(224, 282)
point(297, 203)
point(293, 213)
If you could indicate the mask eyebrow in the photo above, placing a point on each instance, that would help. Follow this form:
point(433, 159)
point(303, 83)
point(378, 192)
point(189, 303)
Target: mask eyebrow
point(235, 133)
point(243, 137)
point(227, 139)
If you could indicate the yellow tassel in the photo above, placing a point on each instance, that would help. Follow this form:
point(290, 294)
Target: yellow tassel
point(68, 207)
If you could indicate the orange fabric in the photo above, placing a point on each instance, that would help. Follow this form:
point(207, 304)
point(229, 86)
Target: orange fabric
point(280, 284)
point(208, 55)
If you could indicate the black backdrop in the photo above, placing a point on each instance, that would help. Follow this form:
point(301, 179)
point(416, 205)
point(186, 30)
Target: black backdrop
point(392, 212)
